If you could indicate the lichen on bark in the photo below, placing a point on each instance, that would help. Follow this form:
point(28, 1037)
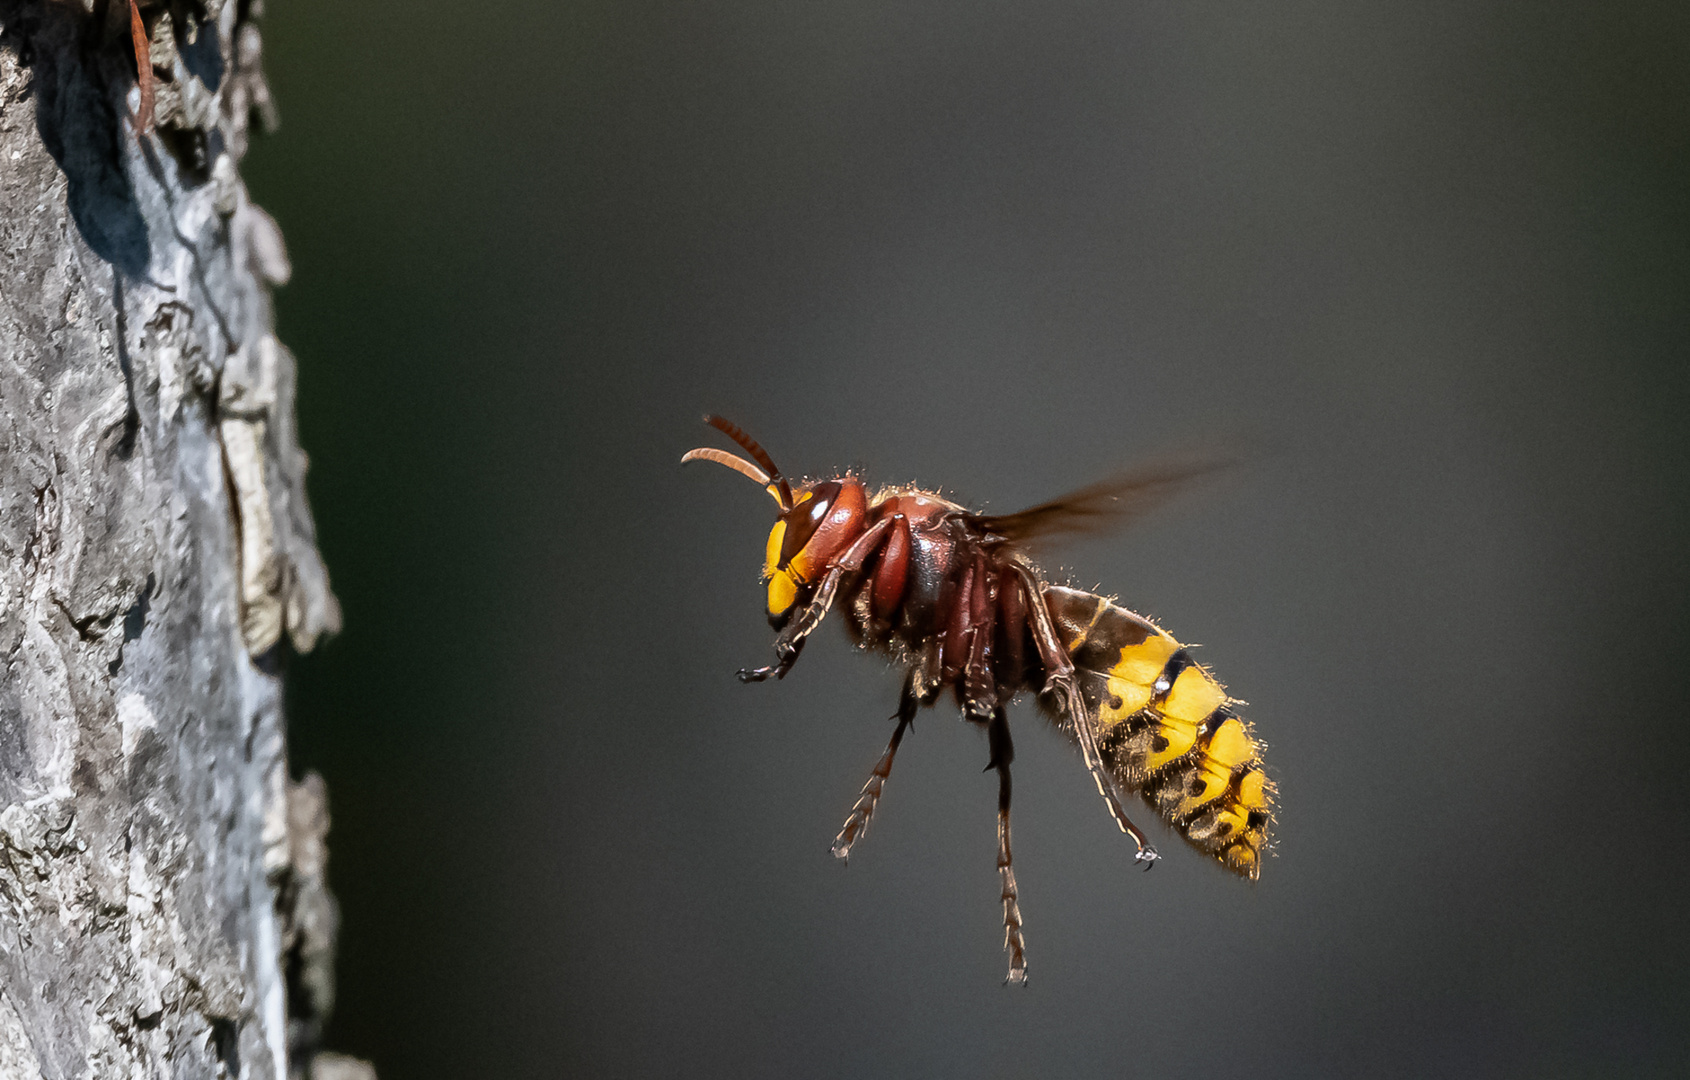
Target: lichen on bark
point(163, 906)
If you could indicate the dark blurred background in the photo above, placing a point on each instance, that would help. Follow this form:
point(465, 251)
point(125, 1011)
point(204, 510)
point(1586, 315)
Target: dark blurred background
point(1427, 265)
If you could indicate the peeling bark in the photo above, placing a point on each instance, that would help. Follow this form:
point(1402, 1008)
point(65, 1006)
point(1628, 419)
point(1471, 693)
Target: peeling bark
point(163, 907)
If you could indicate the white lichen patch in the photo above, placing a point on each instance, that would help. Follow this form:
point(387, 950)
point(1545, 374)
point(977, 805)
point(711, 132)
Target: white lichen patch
point(134, 718)
point(283, 584)
point(261, 572)
point(50, 740)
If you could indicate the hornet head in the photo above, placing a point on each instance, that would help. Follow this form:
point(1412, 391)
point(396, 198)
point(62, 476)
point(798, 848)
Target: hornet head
point(817, 520)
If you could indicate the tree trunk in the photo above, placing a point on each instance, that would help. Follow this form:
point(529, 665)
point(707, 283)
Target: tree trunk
point(162, 901)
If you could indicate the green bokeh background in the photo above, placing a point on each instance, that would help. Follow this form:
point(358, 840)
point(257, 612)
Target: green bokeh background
point(1427, 264)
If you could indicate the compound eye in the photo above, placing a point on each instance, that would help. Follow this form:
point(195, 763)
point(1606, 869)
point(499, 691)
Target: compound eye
point(803, 520)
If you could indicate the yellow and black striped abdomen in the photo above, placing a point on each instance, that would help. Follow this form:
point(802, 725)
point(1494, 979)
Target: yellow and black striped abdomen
point(1167, 728)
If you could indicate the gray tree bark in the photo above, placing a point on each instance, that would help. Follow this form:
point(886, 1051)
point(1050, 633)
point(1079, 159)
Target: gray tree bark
point(163, 911)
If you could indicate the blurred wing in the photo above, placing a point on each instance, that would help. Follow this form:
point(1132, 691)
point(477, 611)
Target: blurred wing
point(1107, 504)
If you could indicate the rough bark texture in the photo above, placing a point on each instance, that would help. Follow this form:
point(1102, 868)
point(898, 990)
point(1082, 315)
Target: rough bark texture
point(162, 901)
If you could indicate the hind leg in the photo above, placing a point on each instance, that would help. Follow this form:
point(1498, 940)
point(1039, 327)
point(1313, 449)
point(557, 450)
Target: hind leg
point(1060, 680)
point(1003, 752)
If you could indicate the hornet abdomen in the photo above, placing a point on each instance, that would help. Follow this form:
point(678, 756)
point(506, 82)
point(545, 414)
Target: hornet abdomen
point(1167, 729)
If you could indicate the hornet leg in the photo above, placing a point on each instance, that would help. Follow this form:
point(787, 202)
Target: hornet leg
point(1003, 752)
point(857, 823)
point(791, 640)
point(1061, 681)
point(787, 655)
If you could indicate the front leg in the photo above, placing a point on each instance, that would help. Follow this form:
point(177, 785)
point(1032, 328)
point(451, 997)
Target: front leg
point(786, 654)
point(791, 640)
